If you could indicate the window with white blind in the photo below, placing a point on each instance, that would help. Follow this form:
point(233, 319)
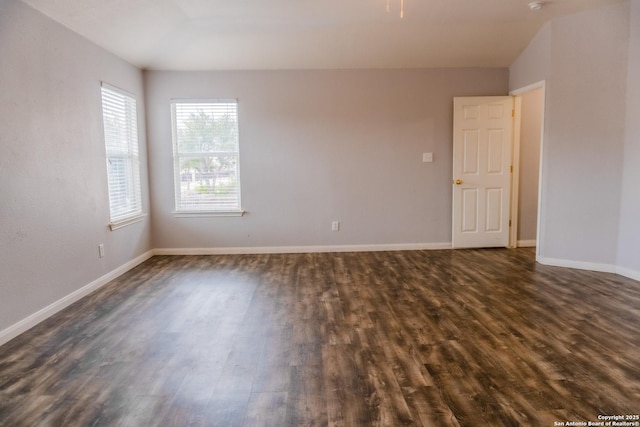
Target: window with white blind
point(206, 156)
point(123, 164)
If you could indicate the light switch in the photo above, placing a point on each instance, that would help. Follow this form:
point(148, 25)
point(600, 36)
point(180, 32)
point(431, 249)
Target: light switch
point(427, 157)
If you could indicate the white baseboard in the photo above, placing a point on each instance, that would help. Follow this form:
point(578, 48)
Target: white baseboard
point(300, 249)
point(526, 243)
point(37, 317)
point(29, 322)
point(580, 265)
point(604, 268)
point(627, 272)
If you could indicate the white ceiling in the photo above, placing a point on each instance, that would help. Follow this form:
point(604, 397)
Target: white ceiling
point(309, 34)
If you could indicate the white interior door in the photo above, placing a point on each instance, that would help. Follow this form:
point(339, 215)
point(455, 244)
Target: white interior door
point(482, 140)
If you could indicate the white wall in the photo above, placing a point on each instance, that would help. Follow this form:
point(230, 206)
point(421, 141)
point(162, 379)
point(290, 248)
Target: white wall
point(584, 133)
point(534, 63)
point(53, 193)
point(530, 133)
point(584, 148)
point(318, 146)
point(629, 237)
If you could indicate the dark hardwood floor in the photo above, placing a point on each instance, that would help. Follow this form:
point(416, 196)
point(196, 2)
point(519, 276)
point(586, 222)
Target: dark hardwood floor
point(424, 338)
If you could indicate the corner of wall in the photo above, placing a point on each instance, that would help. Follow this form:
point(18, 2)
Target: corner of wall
point(629, 228)
point(32, 320)
point(533, 63)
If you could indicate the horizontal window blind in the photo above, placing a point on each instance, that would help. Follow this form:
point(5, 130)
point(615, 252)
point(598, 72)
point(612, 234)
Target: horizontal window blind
point(121, 144)
point(206, 156)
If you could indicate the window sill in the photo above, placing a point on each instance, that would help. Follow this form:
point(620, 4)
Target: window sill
point(127, 221)
point(197, 214)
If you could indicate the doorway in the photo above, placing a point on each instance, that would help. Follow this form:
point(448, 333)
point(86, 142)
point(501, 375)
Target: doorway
point(482, 171)
point(513, 218)
point(527, 161)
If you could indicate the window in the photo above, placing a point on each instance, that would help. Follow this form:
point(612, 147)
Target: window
point(206, 156)
point(123, 164)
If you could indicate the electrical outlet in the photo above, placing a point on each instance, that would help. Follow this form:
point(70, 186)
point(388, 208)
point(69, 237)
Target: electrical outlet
point(335, 226)
point(427, 157)
point(101, 250)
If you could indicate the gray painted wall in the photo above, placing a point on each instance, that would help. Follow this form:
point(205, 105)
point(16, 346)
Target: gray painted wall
point(53, 197)
point(629, 240)
point(534, 63)
point(318, 146)
point(583, 157)
point(584, 131)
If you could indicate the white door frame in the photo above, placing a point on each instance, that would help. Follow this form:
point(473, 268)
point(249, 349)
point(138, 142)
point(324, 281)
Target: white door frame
point(491, 121)
point(515, 176)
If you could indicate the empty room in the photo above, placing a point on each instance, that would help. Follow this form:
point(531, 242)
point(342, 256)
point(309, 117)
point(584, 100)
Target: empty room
point(363, 213)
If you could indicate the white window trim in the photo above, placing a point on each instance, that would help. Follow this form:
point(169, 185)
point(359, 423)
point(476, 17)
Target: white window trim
point(191, 214)
point(137, 215)
point(186, 213)
point(127, 221)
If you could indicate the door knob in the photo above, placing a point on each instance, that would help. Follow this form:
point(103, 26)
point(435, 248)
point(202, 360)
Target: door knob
point(458, 181)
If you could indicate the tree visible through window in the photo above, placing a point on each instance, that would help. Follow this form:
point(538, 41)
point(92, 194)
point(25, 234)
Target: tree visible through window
point(123, 164)
point(206, 158)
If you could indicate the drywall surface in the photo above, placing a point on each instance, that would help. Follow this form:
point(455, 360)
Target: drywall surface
point(584, 131)
point(534, 63)
point(322, 146)
point(629, 240)
point(530, 133)
point(583, 150)
point(53, 194)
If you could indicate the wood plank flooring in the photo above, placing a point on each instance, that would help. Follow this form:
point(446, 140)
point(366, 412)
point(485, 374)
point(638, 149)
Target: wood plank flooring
point(416, 338)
